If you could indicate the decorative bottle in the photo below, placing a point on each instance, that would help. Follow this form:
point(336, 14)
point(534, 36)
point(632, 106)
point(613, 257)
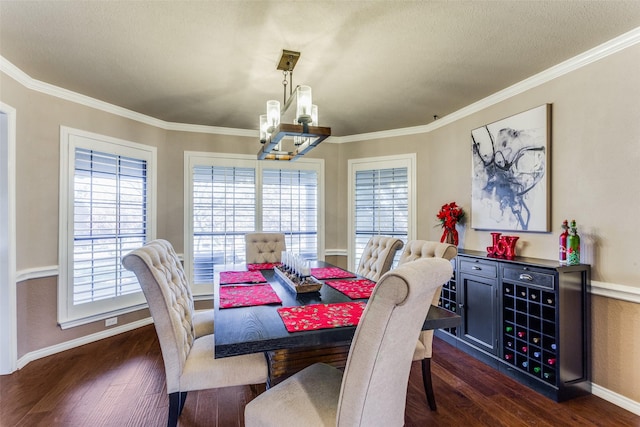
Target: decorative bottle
point(563, 242)
point(573, 245)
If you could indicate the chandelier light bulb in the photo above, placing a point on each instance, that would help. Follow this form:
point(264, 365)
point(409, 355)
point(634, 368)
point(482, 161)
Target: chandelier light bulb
point(273, 114)
point(264, 125)
point(304, 101)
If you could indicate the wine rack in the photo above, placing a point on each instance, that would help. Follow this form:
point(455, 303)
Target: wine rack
point(529, 335)
point(448, 297)
point(529, 318)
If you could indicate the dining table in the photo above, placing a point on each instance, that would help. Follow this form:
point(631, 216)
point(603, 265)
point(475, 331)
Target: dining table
point(243, 329)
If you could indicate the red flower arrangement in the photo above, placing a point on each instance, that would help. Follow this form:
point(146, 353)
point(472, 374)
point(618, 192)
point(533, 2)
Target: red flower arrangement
point(450, 214)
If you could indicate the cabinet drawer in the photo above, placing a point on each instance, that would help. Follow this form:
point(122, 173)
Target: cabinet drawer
point(528, 277)
point(479, 268)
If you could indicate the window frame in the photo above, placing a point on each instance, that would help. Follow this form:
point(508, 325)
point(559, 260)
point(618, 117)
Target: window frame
point(196, 158)
point(70, 315)
point(377, 163)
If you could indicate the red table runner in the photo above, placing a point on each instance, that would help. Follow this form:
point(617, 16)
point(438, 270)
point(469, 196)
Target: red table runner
point(330, 273)
point(232, 277)
point(263, 266)
point(247, 295)
point(354, 289)
point(321, 316)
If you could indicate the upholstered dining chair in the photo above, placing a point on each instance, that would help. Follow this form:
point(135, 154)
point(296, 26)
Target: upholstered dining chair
point(377, 256)
point(188, 358)
point(264, 247)
point(418, 249)
point(372, 391)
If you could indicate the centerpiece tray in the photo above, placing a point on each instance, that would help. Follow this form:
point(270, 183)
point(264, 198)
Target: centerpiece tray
point(296, 284)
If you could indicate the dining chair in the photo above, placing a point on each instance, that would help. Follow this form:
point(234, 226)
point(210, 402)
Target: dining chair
point(414, 250)
point(188, 358)
point(377, 256)
point(372, 390)
point(264, 247)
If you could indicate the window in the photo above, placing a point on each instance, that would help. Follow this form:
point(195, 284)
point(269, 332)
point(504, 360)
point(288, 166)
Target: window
point(290, 206)
point(381, 201)
point(223, 212)
point(107, 192)
point(228, 196)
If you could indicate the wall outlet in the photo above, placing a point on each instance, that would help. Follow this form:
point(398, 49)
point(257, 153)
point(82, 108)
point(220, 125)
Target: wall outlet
point(111, 322)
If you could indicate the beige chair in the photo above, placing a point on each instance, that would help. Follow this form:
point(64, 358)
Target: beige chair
point(373, 389)
point(377, 256)
point(264, 247)
point(188, 357)
point(418, 249)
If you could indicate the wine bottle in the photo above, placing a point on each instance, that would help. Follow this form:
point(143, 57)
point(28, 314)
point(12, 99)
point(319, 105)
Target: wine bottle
point(573, 245)
point(509, 329)
point(524, 348)
point(525, 364)
point(536, 354)
point(508, 356)
point(535, 340)
point(551, 361)
point(521, 334)
point(563, 242)
point(537, 369)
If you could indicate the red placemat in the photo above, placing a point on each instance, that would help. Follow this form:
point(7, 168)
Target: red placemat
point(263, 266)
point(330, 273)
point(321, 316)
point(247, 295)
point(354, 289)
point(231, 277)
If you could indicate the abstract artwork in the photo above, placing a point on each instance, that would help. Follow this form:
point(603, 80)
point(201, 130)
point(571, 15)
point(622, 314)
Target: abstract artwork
point(510, 186)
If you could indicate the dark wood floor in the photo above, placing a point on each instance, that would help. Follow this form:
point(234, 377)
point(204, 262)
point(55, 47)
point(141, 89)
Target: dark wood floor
point(119, 381)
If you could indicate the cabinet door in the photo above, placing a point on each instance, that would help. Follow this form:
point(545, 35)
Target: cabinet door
point(478, 308)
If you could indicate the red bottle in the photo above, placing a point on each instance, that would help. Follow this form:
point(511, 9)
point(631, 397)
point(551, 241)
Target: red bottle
point(563, 242)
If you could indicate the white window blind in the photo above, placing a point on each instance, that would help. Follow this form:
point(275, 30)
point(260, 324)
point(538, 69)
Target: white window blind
point(381, 205)
point(109, 220)
point(224, 210)
point(290, 206)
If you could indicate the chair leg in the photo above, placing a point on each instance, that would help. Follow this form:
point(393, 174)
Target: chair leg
point(428, 386)
point(176, 404)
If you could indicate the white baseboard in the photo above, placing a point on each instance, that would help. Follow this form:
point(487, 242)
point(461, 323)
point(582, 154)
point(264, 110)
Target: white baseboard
point(67, 345)
point(616, 399)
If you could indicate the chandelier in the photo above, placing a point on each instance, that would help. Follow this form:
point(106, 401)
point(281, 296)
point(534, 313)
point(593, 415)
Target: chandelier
point(283, 137)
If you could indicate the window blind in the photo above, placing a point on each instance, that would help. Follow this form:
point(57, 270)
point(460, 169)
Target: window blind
point(224, 205)
point(290, 206)
point(109, 220)
point(381, 205)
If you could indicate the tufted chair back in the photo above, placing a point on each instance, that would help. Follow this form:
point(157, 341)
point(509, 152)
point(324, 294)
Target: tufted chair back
point(168, 294)
point(377, 256)
point(415, 250)
point(264, 247)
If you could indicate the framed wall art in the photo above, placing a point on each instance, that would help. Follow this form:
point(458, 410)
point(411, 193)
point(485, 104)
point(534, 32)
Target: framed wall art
point(510, 188)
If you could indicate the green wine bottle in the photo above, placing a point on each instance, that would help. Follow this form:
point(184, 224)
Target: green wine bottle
point(573, 245)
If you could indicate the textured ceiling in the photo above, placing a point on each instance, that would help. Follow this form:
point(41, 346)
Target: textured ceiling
point(373, 65)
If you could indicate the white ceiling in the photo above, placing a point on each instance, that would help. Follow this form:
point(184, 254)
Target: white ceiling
point(373, 65)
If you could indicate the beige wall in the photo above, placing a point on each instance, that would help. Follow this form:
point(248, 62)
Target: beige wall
point(595, 156)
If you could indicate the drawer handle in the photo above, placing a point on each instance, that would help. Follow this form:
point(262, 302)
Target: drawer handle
point(526, 277)
point(475, 267)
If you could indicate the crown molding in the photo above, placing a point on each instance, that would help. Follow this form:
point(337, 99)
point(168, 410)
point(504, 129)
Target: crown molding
point(602, 51)
point(39, 86)
point(615, 45)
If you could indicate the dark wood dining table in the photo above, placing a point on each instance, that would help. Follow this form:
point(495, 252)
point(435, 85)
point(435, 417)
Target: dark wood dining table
point(254, 329)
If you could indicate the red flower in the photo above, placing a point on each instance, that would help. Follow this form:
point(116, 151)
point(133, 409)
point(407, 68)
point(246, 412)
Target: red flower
point(449, 215)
